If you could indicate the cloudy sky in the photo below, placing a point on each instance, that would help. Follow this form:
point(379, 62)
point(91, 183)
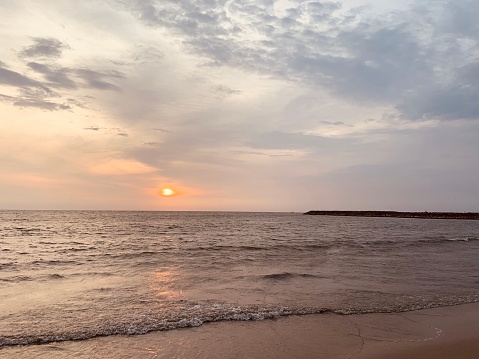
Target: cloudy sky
point(245, 105)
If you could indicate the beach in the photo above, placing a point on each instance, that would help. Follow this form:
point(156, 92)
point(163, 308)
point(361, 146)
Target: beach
point(449, 333)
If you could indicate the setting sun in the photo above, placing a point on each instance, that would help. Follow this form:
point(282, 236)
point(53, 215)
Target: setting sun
point(167, 192)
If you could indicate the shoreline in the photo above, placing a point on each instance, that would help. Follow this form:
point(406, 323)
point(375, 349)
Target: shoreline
point(397, 214)
point(447, 332)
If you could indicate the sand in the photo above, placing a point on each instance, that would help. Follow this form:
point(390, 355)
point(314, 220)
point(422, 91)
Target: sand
point(451, 332)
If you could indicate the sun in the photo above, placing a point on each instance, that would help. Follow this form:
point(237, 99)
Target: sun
point(167, 192)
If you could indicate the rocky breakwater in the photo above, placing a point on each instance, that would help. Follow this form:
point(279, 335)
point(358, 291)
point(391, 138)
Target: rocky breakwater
point(395, 214)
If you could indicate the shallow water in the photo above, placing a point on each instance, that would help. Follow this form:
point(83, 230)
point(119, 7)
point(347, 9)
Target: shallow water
point(80, 274)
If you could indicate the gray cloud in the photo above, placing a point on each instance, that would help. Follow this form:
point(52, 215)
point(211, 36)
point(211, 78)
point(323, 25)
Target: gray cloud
point(12, 78)
point(93, 128)
point(151, 143)
point(335, 123)
point(39, 98)
point(43, 47)
point(77, 103)
point(52, 80)
point(449, 102)
point(148, 55)
point(58, 77)
point(7, 98)
point(32, 93)
point(96, 79)
point(392, 59)
point(61, 77)
point(226, 90)
point(460, 18)
point(115, 131)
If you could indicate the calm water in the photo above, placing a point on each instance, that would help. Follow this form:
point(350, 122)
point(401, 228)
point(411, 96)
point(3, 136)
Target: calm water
point(68, 275)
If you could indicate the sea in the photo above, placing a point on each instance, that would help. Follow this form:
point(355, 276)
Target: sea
point(76, 275)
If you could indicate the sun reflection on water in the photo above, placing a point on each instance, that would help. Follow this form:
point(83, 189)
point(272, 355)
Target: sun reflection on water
point(163, 285)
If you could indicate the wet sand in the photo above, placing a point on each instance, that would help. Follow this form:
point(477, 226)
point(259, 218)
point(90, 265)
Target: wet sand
point(449, 333)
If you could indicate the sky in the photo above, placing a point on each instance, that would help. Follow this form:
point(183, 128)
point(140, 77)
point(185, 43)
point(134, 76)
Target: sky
point(246, 105)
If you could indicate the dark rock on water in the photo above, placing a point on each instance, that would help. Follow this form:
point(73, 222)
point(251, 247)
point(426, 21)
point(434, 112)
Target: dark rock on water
point(431, 215)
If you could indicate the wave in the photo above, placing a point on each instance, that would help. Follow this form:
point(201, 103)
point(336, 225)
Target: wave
point(197, 314)
point(53, 276)
point(130, 255)
point(406, 243)
point(16, 279)
point(53, 262)
point(8, 265)
point(76, 249)
point(269, 248)
point(24, 278)
point(136, 328)
point(288, 275)
point(330, 245)
point(463, 239)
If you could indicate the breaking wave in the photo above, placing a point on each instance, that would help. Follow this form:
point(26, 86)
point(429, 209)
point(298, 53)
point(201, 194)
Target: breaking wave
point(197, 314)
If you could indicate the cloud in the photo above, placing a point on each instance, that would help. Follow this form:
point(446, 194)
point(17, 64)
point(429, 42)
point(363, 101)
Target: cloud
point(151, 143)
point(115, 131)
point(46, 85)
point(226, 90)
point(449, 103)
point(285, 141)
point(93, 128)
point(7, 98)
point(12, 78)
point(32, 93)
point(77, 103)
point(147, 55)
point(96, 79)
point(43, 48)
point(38, 98)
point(459, 18)
point(394, 59)
point(57, 76)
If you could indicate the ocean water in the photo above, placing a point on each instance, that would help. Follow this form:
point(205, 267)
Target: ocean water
point(73, 275)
